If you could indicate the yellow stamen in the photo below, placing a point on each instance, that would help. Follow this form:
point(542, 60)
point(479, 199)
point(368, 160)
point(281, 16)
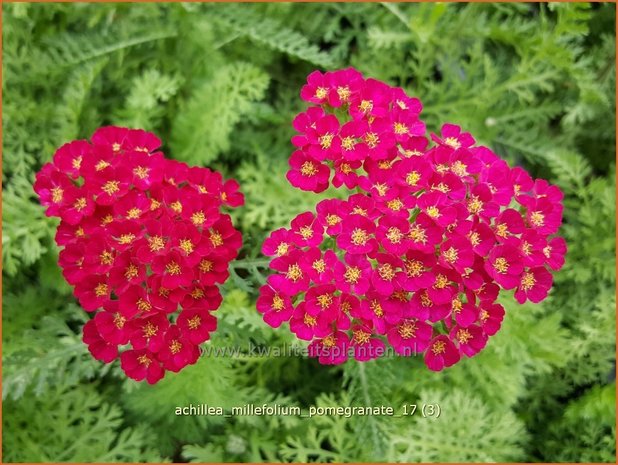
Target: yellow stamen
point(501, 265)
point(407, 330)
point(308, 169)
point(359, 237)
point(57, 194)
point(111, 187)
point(194, 322)
point(173, 268)
point(141, 172)
point(438, 347)
point(352, 274)
point(101, 290)
point(175, 347)
point(205, 266)
point(294, 273)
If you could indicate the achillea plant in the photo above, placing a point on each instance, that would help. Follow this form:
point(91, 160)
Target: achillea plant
point(417, 257)
point(144, 240)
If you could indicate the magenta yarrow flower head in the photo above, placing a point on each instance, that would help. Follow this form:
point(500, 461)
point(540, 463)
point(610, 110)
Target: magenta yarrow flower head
point(144, 241)
point(414, 259)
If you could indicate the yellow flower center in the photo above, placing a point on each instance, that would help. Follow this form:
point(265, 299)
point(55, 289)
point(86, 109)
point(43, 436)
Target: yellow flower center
point(450, 255)
point(329, 341)
point(537, 219)
point(173, 268)
point(216, 239)
point(186, 245)
point(308, 169)
point(194, 322)
point(205, 266)
point(352, 274)
point(101, 290)
point(282, 249)
point(425, 300)
point(278, 303)
point(197, 293)
point(175, 347)
point(319, 266)
point(294, 272)
point(502, 230)
point(150, 330)
point(325, 142)
point(57, 194)
point(348, 143)
point(438, 347)
point(386, 272)
point(134, 213)
point(131, 272)
point(475, 205)
point(396, 204)
point(394, 235)
point(176, 206)
point(400, 128)
point(413, 268)
point(452, 142)
point(412, 178)
point(119, 320)
point(433, 211)
point(527, 281)
point(309, 320)
point(344, 93)
point(325, 300)
point(501, 265)
point(459, 168)
point(332, 220)
point(141, 172)
point(441, 282)
point(407, 330)
point(361, 337)
point(375, 306)
point(345, 168)
point(463, 336)
point(198, 218)
point(366, 106)
point(359, 236)
point(417, 234)
point(106, 257)
point(80, 204)
point(372, 140)
point(306, 232)
point(143, 305)
point(155, 243)
point(76, 163)
point(111, 187)
point(321, 92)
point(101, 165)
point(126, 238)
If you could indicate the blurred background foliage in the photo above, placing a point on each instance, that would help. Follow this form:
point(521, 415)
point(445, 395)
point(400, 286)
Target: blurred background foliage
point(219, 84)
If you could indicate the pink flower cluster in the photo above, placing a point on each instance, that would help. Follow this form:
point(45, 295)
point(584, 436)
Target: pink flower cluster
point(144, 241)
point(416, 259)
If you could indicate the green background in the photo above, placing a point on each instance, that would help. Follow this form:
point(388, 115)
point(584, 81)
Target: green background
point(219, 84)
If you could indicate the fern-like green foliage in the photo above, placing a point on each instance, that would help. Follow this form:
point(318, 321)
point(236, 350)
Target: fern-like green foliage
point(219, 83)
point(77, 426)
point(206, 123)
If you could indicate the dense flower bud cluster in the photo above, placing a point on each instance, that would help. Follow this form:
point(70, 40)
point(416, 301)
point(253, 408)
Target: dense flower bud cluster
point(144, 241)
point(417, 257)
